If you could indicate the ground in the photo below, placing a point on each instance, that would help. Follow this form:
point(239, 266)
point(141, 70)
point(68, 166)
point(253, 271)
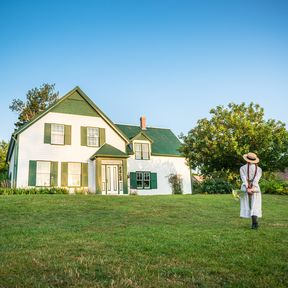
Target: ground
point(133, 241)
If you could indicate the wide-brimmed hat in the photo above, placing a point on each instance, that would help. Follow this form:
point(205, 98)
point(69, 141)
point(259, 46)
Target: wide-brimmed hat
point(251, 158)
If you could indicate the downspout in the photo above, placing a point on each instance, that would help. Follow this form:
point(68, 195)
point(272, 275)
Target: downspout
point(191, 179)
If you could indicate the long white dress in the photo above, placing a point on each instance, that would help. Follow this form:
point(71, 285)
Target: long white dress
point(246, 211)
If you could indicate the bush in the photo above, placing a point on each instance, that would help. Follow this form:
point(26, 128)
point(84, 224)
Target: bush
point(216, 186)
point(176, 183)
point(274, 186)
point(30, 191)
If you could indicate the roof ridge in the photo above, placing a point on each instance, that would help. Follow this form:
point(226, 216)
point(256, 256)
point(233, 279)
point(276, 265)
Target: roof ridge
point(148, 127)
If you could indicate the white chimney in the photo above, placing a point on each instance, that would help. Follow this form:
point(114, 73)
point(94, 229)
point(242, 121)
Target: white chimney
point(143, 122)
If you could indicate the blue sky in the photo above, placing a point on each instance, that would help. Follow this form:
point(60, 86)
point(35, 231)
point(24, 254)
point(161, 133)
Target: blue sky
point(169, 60)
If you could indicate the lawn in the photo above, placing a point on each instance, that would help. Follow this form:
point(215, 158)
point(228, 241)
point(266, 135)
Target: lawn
point(133, 241)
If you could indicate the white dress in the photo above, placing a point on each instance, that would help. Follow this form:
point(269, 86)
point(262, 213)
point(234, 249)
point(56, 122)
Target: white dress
point(246, 211)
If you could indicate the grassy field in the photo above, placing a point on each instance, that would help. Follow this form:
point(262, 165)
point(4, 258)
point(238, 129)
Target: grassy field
point(158, 241)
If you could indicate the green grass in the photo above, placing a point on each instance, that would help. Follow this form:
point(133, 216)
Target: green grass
point(158, 241)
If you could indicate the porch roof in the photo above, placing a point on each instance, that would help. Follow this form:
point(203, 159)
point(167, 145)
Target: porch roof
point(109, 151)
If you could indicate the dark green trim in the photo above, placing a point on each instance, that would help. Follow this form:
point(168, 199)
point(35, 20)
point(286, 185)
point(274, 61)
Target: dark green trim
point(102, 137)
point(53, 174)
point(142, 136)
point(47, 133)
point(83, 135)
point(64, 174)
point(32, 173)
point(153, 180)
point(167, 155)
point(133, 180)
point(16, 160)
point(125, 179)
point(98, 176)
point(84, 174)
point(67, 134)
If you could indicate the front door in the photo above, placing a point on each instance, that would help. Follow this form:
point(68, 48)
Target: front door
point(110, 177)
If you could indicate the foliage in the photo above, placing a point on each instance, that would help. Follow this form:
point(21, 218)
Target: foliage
point(32, 191)
point(219, 143)
point(216, 186)
point(38, 100)
point(3, 164)
point(176, 182)
point(152, 241)
point(274, 186)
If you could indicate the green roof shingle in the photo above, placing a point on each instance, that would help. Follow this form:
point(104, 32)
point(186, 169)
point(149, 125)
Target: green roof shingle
point(109, 151)
point(164, 141)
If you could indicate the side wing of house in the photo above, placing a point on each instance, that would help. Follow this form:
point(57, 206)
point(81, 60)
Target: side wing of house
point(59, 149)
point(154, 156)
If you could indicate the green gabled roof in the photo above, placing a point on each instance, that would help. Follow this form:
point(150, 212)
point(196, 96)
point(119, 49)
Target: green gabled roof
point(109, 151)
point(164, 142)
point(61, 107)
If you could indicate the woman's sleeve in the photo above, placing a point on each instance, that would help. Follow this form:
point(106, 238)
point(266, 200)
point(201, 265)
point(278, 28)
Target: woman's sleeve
point(243, 176)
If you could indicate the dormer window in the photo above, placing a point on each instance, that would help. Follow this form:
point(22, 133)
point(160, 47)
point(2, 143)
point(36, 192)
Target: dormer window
point(141, 151)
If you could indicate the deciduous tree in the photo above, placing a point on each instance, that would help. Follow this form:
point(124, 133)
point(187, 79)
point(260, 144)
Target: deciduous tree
point(219, 143)
point(38, 99)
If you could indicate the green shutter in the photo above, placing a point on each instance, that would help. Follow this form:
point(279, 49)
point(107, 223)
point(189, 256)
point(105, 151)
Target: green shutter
point(125, 184)
point(47, 133)
point(64, 174)
point(133, 181)
point(54, 174)
point(84, 174)
point(98, 176)
point(153, 177)
point(67, 134)
point(32, 173)
point(83, 136)
point(102, 136)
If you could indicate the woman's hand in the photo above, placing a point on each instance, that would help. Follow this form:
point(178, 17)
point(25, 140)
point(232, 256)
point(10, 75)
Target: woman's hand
point(250, 191)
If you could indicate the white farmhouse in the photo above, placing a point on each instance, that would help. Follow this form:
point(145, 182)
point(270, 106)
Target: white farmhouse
point(73, 144)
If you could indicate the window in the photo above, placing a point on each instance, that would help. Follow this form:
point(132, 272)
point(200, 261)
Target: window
point(92, 136)
point(74, 174)
point(141, 151)
point(143, 180)
point(57, 134)
point(43, 173)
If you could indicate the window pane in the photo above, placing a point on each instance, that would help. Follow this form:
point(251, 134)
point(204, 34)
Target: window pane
point(137, 147)
point(146, 180)
point(93, 136)
point(43, 174)
point(57, 134)
point(139, 178)
point(74, 174)
point(145, 151)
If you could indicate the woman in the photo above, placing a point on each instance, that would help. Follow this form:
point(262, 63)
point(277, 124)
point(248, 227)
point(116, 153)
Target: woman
point(251, 202)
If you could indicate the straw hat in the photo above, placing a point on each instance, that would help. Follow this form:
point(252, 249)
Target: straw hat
point(251, 158)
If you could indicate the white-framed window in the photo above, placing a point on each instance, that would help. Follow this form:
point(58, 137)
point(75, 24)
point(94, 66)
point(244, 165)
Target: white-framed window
point(43, 173)
point(57, 134)
point(74, 174)
point(141, 151)
point(143, 180)
point(92, 136)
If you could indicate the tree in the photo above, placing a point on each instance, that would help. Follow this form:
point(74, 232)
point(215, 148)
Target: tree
point(219, 143)
point(3, 165)
point(38, 100)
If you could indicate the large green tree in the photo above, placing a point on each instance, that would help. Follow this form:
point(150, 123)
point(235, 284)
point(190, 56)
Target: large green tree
point(219, 143)
point(37, 100)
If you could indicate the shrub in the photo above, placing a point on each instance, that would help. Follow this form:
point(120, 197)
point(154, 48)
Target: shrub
point(274, 186)
point(30, 191)
point(176, 183)
point(215, 186)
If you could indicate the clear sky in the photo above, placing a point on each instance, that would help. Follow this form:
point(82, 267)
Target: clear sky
point(169, 60)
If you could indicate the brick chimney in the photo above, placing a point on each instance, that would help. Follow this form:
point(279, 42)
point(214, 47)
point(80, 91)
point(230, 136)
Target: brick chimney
point(143, 122)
